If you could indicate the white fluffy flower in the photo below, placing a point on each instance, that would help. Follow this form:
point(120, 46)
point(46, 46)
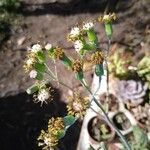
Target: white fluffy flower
point(48, 46)
point(33, 74)
point(78, 45)
point(43, 95)
point(29, 62)
point(36, 48)
point(88, 26)
point(75, 32)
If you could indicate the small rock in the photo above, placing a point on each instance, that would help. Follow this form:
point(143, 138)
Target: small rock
point(21, 41)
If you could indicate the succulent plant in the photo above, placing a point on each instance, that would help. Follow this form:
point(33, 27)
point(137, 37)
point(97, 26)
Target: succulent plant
point(130, 91)
point(144, 70)
point(142, 114)
point(119, 61)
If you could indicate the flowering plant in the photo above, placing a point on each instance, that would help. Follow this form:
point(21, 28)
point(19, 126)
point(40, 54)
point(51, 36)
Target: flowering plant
point(85, 43)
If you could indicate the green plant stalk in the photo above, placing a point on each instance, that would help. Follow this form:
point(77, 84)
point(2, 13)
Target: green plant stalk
point(107, 76)
point(107, 118)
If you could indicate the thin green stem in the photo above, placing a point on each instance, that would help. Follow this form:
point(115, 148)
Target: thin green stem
point(99, 85)
point(56, 80)
point(56, 74)
point(52, 74)
point(65, 85)
point(107, 75)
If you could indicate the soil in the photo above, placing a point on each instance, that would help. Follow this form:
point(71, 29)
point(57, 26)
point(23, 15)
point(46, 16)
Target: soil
point(49, 21)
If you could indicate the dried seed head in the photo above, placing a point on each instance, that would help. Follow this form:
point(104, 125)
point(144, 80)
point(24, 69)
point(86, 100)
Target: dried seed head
point(97, 57)
point(77, 66)
point(29, 63)
point(47, 140)
point(59, 53)
point(77, 105)
point(55, 125)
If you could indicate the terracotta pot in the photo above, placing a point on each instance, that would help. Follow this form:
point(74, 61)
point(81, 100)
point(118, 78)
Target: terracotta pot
point(122, 122)
point(99, 131)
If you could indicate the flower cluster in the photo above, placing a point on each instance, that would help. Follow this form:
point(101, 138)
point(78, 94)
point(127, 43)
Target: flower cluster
point(29, 63)
point(74, 34)
point(77, 105)
point(32, 57)
point(86, 44)
point(88, 26)
point(77, 36)
point(78, 45)
point(49, 139)
point(44, 95)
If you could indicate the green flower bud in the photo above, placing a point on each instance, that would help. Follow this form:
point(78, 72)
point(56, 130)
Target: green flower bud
point(108, 30)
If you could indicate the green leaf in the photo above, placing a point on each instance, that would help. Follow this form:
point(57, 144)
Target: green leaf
point(79, 75)
point(69, 120)
point(108, 29)
point(41, 57)
point(34, 88)
point(60, 134)
point(40, 67)
point(39, 76)
point(99, 71)
point(92, 36)
point(89, 46)
point(51, 53)
point(66, 61)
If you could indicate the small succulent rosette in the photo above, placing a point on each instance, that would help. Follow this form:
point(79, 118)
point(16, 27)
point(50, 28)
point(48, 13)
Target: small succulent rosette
point(129, 91)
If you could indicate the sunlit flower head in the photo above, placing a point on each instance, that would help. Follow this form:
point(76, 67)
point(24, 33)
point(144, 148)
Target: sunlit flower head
point(77, 105)
point(36, 48)
point(44, 95)
point(78, 45)
point(107, 18)
point(33, 74)
point(47, 140)
point(29, 63)
point(88, 26)
point(48, 46)
point(75, 32)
